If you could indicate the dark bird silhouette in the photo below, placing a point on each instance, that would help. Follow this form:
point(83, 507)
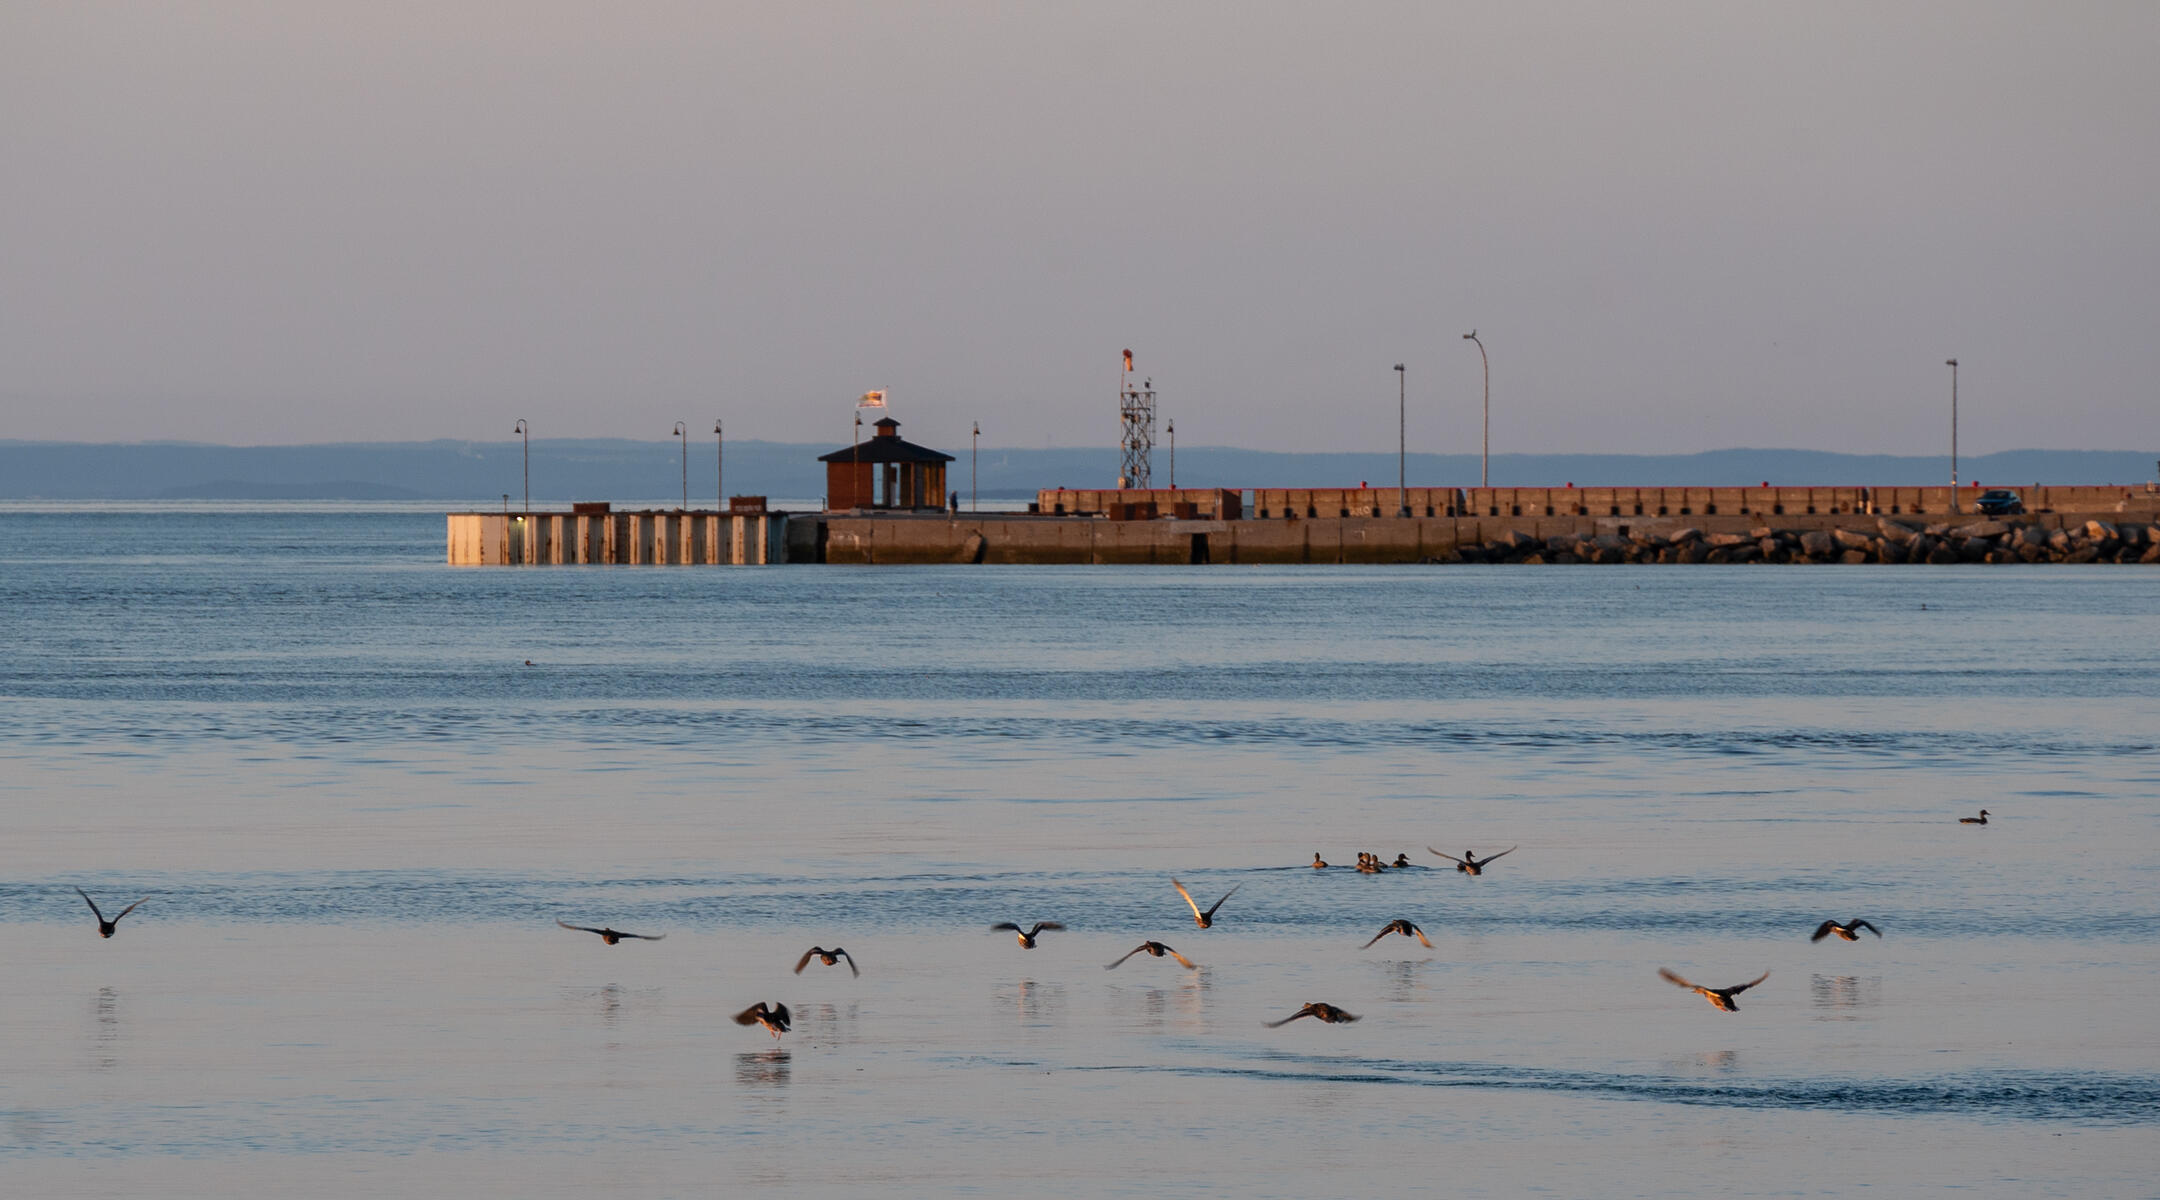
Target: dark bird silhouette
point(1157, 949)
point(1850, 930)
point(106, 928)
point(1402, 926)
point(1326, 1013)
point(1027, 936)
point(774, 1017)
point(830, 958)
point(1719, 997)
point(1319, 864)
point(1402, 862)
point(1979, 820)
point(1470, 863)
point(610, 936)
point(1203, 919)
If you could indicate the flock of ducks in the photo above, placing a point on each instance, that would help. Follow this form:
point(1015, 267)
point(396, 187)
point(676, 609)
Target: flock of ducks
point(775, 1019)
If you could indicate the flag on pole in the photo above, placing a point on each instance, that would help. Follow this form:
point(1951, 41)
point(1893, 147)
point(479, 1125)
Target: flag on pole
point(1128, 360)
point(871, 400)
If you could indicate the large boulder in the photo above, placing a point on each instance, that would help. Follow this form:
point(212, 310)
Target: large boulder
point(1729, 539)
point(1817, 543)
point(2083, 554)
point(1853, 558)
point(1685, 535)
point(1895, 532)
point(2098, 531)
point(1983, 529)
point(1892, 552)
point(1852, 540)
point(2152, 554)
point(2033, 535)
point(1693, 552)
point(1943, 555)
point(1516, 540)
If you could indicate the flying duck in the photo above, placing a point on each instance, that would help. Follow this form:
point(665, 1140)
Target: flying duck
point(830, 958)
point(1318, 1011)
point(1027, 936)
point(1718, 997)
point(1157, 949)
point(774, 1017)
point(106, 928)
point(610, 936)
point(1402, 926)
point(1850, 930)
point(1470, 863)
point(1202, 919)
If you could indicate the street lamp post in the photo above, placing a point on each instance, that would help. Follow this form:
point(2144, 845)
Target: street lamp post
point(1402, 441)
point(526, 430)
point(1171, 429)
point(974, 453)
point(719, 464)
point(1484, 474)
point(1952, 364)
point(683, 431)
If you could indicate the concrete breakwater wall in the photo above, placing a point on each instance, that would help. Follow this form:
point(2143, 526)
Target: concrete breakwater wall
point(1844, 538)
point(658, 537)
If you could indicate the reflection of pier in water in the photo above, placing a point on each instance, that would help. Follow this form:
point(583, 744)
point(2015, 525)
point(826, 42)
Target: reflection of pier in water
point(1842, 997)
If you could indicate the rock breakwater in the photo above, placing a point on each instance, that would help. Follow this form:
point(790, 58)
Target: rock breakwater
point(1887, 541)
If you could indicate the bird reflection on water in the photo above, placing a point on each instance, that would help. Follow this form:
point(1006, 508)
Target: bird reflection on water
point(107, 1007)
point(1037, 1004)
point(1842, 997)
point(764, 1068)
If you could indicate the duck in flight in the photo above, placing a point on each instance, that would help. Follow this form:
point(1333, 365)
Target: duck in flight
point(1404, 927)
point(107, 928)
point(1850, 930)
point(1027, 936)
point(1470, 863)
point(1718, 997)
point(1202, 919)
point(1979, 820)
point(610, 936)
point(1324, 1013)
point(830, 958)
point(774, 1017)
point(1156, 949)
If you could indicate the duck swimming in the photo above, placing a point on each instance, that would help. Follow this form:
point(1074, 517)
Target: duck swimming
point(774, 1017)
point(1319, 864)
point(1718, 997)
point(1202, 919)
point(830, 958)
point(1402, 926)
point(1157, 950)
point(611, 936)
point(1979, 820)
point(1325, 1013)
point(1027, 936)
point(1470, 863)
point(1850, 930)
point(1402, 862)
point(107, 928)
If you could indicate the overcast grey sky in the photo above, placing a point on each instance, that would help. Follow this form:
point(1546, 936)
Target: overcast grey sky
point(1676, 226)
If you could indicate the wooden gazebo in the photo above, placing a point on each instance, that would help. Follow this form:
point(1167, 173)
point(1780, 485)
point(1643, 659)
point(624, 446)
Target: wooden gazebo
point(886, 472)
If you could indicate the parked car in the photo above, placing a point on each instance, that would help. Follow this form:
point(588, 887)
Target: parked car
point(2001, 502)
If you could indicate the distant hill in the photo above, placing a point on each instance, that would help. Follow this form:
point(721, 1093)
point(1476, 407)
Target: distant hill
point(626, 471)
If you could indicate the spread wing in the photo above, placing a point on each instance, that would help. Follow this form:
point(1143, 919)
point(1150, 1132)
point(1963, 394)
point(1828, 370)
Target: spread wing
point(643, 937)
point(1188, 898)
point(1451, 858)
point(139, 903)
point(1857, 926)
point(1822, 931)
point(93, 905)
point(804, 961)
point(1376, 937)
point(1225, 896)
point(1121, 958)
point(1306, 1011)
point(1183, 961)
point(579, 928)
point(1007, 926)
point(1042, 925)
point(1502, 854)
point(1420, 935)
point(1673, 979)
point(750, 1015)
point(780, 1011)
point(853, 970)
point(1736, 989)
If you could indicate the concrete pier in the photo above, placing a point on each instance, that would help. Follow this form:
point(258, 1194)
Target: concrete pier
point(653, 537)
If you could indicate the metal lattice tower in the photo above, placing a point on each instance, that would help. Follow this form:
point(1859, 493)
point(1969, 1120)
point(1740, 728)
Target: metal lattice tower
point(1136, 410)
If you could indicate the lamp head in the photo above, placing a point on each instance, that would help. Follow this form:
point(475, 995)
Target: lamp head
point(1949, 362)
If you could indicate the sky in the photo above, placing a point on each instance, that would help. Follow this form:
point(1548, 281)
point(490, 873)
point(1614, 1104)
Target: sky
point(1676, 226)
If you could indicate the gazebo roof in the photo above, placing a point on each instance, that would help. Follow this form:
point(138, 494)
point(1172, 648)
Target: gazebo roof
point(887, 447)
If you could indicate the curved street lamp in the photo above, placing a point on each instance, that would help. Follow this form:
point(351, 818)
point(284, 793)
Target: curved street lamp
point(683, 431)
point(526, 430)
point(719, 461)
point(1484, 479)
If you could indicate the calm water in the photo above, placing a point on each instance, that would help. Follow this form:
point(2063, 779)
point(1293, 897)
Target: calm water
point(357, 815)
